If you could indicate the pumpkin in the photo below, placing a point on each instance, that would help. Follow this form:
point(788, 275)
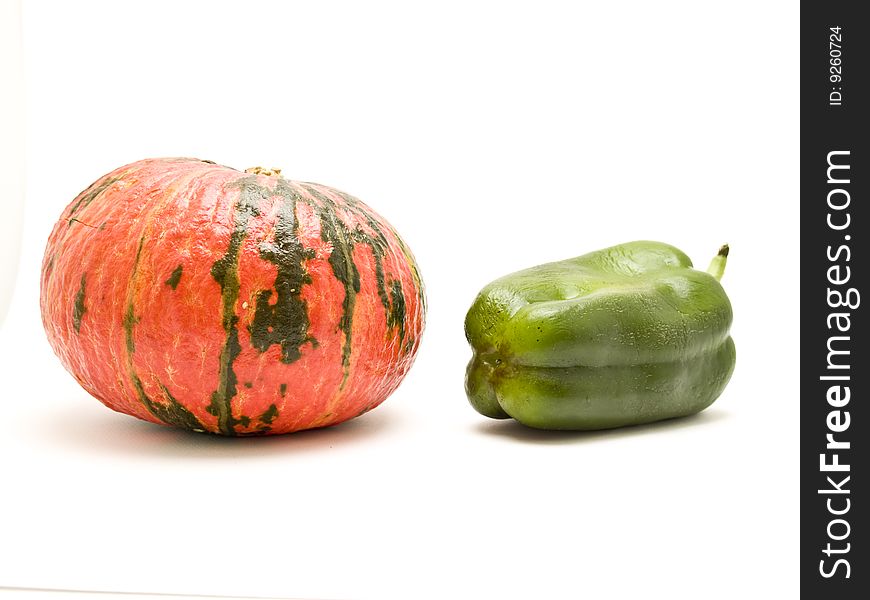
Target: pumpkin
point(191, 294)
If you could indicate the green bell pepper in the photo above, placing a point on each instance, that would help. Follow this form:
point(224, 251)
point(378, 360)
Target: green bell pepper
point(626, 335)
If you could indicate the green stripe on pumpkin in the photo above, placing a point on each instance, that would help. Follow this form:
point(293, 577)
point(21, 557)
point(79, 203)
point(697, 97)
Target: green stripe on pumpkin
point(355, 205)
point(88, 196)
point(335, 233)
point(79, 308)
point(393, 301)
point(225, 271)
point(286, 321)
point(342, 240)
point(396, 315)
point(172, 412)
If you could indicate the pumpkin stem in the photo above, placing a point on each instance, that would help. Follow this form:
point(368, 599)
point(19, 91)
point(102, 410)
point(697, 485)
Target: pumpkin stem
point(273, 172)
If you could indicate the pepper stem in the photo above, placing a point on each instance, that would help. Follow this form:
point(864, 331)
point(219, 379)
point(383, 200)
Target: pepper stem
point(717, 265)
point(264, 171)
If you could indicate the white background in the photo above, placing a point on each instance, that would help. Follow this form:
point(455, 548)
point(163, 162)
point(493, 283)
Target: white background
point(493, 137)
